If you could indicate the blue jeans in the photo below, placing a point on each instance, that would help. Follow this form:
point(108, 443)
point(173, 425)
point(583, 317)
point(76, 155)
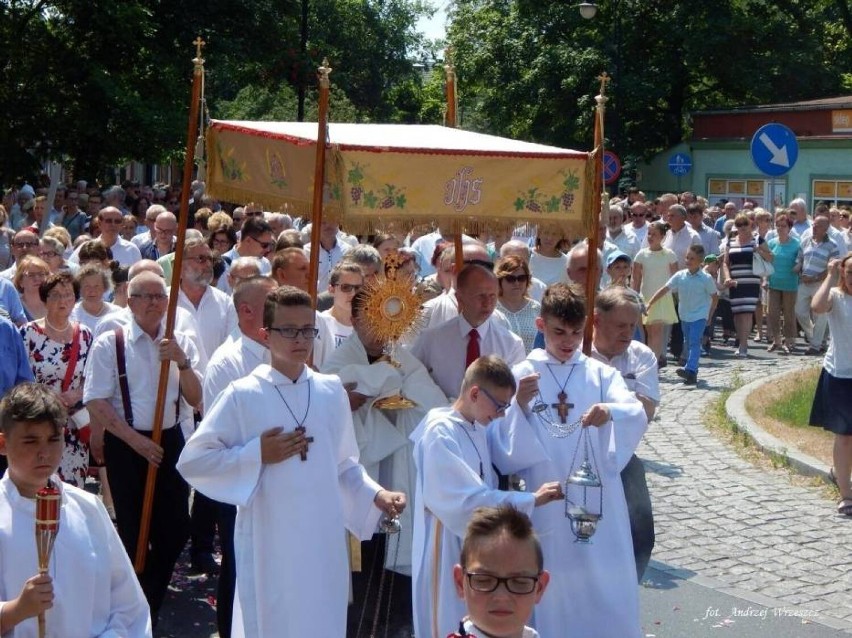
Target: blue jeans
point(692, 332)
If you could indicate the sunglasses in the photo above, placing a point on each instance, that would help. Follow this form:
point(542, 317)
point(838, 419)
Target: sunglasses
point(348, 287)
point(111, 220)
point(516, 279)
point(266, 245)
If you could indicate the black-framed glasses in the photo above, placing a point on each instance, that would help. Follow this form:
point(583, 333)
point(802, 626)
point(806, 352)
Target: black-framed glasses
point(516, 279)
point(295, 333)
point(164, 231)
point(150, 297)
point(348, 287)
point(25, 244)
point(500, 407)
point(487, 583)
point(202, 259)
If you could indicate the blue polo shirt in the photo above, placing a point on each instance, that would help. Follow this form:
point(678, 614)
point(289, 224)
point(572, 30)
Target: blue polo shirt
point(695, 293)
point(15, 364)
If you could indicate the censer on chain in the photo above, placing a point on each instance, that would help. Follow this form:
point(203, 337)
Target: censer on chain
point(584, 492)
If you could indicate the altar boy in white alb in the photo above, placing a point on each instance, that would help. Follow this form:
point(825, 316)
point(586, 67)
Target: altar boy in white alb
point(455, 477)
point(593, 588)
point(280, 445)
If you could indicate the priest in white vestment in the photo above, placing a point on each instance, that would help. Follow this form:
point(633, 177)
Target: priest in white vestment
point(280, 445)
point(383, 435)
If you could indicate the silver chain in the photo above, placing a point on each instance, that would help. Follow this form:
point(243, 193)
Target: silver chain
point(382, 580)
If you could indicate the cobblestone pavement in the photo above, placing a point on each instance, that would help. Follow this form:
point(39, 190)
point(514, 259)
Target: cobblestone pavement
point(748, 528)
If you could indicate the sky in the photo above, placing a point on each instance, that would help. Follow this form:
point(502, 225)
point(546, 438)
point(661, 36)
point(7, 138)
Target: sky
point(434, 28)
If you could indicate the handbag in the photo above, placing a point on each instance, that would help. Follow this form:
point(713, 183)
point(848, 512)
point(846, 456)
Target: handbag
point(80, 418)
point(759, 266)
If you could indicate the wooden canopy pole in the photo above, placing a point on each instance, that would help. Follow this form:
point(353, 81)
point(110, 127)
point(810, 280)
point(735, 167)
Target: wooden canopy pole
point(157, 432)
point(597, 203)
point(319, 178)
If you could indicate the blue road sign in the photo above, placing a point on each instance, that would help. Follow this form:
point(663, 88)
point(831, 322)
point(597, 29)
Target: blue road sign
point(611, 167)
point(680, 164)
point(774, 149)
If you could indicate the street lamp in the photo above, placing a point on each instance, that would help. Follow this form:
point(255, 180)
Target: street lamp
point(588, 10)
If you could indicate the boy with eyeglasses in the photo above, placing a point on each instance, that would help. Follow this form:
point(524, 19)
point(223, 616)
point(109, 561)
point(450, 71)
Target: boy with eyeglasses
point(279, 444)
point(454, 477)
point(501, 574)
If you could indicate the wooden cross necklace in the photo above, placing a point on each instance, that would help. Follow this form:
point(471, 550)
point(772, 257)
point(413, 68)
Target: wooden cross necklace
point(300, 425)
point(563, 407)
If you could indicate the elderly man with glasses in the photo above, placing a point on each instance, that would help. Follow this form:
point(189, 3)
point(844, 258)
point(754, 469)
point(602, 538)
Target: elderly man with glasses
point(161, 234)
point(25, 242)
point(123, 251)
point(126, 409)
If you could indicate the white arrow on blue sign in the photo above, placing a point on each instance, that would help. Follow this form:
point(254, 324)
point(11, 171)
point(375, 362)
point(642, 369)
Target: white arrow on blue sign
point(774, 149)
point(680, 164)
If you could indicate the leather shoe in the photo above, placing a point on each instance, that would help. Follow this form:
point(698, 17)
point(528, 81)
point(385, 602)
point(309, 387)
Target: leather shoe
point(204, 563)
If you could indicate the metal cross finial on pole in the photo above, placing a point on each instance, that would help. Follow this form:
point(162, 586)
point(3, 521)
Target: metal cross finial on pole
point(324, 71)
point(199, 44)
point(604, 79)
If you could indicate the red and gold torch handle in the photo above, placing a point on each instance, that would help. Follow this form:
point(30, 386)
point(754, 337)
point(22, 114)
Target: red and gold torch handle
point(46, 528)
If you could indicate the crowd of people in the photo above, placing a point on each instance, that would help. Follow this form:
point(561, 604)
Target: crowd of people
point(276, 438)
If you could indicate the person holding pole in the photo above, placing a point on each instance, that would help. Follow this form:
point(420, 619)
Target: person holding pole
point(120, 393)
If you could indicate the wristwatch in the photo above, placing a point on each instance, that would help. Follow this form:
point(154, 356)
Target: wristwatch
point(186, 365)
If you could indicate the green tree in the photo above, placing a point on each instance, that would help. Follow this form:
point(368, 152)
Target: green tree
point(528, 69)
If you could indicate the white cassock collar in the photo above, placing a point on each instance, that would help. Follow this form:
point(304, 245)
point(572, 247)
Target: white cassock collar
point(271, 375)
point(541, 355)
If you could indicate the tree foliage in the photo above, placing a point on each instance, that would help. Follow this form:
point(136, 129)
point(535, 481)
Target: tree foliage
point(95, 83)
point(528, 69)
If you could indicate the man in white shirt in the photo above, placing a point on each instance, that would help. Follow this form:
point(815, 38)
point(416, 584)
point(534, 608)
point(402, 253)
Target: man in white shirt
point(127, 413)
point(425, 245)
point(620, 235)
point(639, 222)
point(331, 251)
point(216, 318)
point(234, 360)
point(802, 221)
point(147, 232)
point(709, 237)
point(616, 316)
point(681, 235)
point(163, 232)
point(123, 251)
point(447, 349)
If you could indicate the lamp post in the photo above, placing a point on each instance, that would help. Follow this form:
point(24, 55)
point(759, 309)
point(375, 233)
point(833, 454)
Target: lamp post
point(589, 10)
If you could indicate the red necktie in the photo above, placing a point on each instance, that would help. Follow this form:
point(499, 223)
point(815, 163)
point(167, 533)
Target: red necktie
point(472, 348)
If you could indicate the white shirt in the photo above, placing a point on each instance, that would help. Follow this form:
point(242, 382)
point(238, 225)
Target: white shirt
point(123, 251)
point(339, 332)
point(838, 359)
point(549, 269)
point(444, 307)
point(232, 360)
point(442, 349)
point(215, 317)
point(327, 260)
point(91, 321)
point(680, 241)
point(425, 245)
point(640, 233)
point(638, 368)
point(143, 372)
point(95, 590)
point(626, 241)
point(835, 235)
point(141, 238)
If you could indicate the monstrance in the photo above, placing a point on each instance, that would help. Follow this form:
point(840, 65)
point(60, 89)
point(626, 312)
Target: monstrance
point(393, 311)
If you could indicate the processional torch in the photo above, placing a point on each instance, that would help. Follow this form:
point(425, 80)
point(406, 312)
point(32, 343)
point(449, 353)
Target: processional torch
point(46, 528)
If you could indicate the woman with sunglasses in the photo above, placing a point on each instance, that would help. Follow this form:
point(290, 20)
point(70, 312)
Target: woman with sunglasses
point(514, 301)
point(738, 255)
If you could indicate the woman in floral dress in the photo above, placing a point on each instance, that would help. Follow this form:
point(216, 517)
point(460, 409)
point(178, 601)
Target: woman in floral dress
point(57, 349)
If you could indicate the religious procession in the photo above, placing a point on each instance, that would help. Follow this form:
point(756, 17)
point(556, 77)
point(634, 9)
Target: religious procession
point(408, 403)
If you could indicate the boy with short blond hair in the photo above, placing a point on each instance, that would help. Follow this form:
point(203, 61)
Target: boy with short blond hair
point(454, 477)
